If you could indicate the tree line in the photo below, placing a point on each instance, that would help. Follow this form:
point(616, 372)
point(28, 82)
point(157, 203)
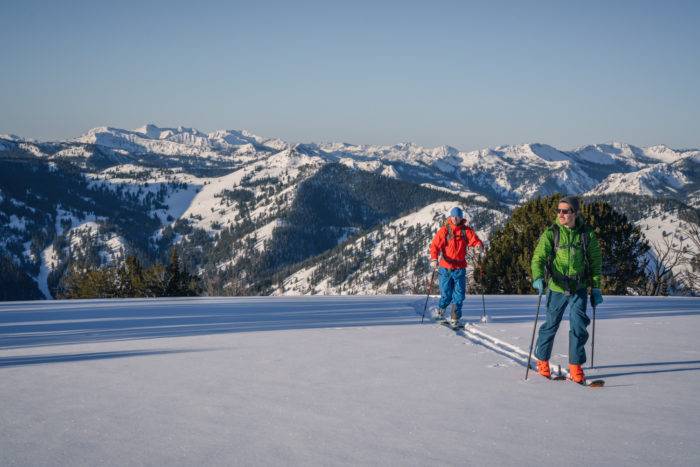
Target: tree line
point(131, 279)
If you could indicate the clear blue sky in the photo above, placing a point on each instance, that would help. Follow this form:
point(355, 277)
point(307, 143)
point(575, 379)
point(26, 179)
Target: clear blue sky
point(468, 75)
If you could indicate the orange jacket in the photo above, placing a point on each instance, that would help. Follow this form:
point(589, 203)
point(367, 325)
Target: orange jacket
point(454, 251)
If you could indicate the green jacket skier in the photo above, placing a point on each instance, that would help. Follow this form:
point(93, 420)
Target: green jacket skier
point(573, 267)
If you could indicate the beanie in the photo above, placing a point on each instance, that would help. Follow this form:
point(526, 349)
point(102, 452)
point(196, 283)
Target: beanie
point(571, 201)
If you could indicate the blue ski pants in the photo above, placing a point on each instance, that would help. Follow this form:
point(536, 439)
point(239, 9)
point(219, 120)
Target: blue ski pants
point(453, 286)
point(578, 322)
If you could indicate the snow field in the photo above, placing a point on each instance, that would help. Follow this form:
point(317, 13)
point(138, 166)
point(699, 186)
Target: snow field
point(337, 381)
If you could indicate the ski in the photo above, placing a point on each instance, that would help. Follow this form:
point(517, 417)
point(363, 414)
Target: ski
point(446, 323)
point(596, 383)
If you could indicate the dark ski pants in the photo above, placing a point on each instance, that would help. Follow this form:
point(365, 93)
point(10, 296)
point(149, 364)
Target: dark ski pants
point(453, 286)
point(578, 322)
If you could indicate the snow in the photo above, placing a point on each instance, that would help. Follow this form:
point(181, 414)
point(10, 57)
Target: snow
point(337, 381)
point(32, 148)
point(627, 154)
point(63, 216)
point(74, 151)
point(207, 207)
point(265, 233)
point(49, 260)
point(457, 191)
point(656, 180)
point(513, 171)
point(667, 227)
point(17, 223)
point(112, 245)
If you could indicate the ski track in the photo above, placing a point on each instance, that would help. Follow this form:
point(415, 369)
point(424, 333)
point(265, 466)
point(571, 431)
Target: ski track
point(470, 332)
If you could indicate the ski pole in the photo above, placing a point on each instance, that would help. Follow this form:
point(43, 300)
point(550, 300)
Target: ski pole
point(593, 338)
point(483, 300)
point(430, 288)
point(532, 340)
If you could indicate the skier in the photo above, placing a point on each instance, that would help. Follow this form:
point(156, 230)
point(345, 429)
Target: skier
point(451, 240)
point(570, 252)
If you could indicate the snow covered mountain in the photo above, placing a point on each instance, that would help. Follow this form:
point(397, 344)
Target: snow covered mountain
point(678, 179)
point(510, 174)
point(234, 202)
point(389, 259)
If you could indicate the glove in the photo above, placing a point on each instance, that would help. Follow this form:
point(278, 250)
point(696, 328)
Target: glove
point(434, 264)
point(538, 284)
point(596, 297)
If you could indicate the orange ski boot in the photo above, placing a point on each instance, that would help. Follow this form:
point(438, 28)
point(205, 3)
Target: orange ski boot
point(576, 374)
point(543, 368)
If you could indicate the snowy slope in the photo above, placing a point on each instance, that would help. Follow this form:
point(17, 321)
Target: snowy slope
point(337, 381)
point(178, 141)
point(678, 179)
point(626, 154)
point(666, 230)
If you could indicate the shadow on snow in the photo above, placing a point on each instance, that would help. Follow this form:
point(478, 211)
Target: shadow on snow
point(76, 322)
point(60, 358)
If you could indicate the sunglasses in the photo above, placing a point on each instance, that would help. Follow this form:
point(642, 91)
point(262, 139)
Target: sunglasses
point(564, 211)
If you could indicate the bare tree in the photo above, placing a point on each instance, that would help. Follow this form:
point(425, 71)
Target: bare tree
point(665, 256)
point(691, 252)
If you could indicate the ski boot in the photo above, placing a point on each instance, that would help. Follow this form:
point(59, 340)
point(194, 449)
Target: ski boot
point(576, 374)
point(454, 320)
point(440, 314)
point(543, 368)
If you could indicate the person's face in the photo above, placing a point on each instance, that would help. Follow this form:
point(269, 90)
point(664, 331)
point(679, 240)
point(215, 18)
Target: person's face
point(566, 215)
point(456, 220)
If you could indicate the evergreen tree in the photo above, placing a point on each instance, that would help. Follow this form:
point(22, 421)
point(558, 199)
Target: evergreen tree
point(623, 246)
point(507, 265)
point(15, 284)
point(130, 280)
point(178, 281)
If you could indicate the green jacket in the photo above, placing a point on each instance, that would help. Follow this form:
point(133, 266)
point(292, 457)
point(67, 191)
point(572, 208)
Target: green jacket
point(569, 259)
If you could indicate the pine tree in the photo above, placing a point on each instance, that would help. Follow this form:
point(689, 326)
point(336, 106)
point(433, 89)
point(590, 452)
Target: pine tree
point(623, 246)
point(178, 281)
point(507, 264)
point(172, 275)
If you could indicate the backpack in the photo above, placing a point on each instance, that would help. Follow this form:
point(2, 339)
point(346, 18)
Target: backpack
point(450, 235)
point(549, 266)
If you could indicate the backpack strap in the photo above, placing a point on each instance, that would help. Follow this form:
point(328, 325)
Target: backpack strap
point(549, 266)
point(585, 238)
point(585, 233)
point(463, 229)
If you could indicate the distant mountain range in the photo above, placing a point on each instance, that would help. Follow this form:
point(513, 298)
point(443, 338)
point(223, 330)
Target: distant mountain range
point(229, 198)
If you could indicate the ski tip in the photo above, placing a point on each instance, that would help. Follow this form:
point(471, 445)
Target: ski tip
point(597, 383)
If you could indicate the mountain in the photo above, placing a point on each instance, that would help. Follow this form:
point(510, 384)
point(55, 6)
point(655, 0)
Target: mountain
point(678, 179)
point(391, 258)
point(257, 215)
